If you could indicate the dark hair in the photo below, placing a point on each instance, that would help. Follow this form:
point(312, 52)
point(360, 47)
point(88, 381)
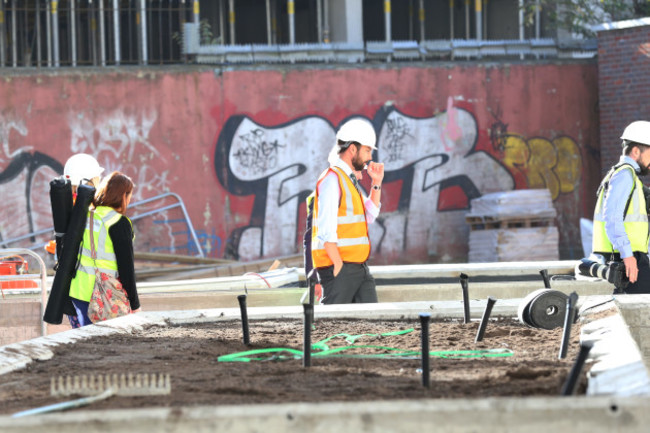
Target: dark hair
point(344, 145)
point(113, 189)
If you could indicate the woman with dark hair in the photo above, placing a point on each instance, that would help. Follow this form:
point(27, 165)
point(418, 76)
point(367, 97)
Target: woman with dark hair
point(112, 234)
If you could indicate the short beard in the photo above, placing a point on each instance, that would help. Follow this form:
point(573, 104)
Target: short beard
point(643, 171)
point(357, 164)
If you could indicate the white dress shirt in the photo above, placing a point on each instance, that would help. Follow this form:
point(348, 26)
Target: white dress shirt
point(329, 195)
point(615, 200)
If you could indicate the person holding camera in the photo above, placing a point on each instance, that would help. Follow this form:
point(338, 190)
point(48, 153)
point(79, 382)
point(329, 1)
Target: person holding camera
point(621, 216)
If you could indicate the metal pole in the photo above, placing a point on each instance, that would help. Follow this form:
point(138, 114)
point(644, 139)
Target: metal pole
point(244, 320)
point(292, 22)
point(14, 47)
point(326, 21)
point(308, 313)
point(222, 27)
point(451, 20)
point(521, 24)
point(143, 33)
point(48, 30)
point(421, 18)
point(72, 13)
point(319, 20)
point(116, 31)
point(478, 5)
point(55, 33)
point(196, 14)
point(538, 8)
point(268, 23)
point(466, 19)
point(387, 13)
point(231, 20)
point(93, 33)
point(485, 12)
point(102, 35)
point(38, 33)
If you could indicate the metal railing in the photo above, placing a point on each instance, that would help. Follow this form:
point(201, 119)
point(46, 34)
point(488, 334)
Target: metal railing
point(349, 52)
point(12, 252)
point(162, 209)
point(186, 217)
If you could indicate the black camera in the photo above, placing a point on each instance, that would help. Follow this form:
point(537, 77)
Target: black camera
point(613, 272)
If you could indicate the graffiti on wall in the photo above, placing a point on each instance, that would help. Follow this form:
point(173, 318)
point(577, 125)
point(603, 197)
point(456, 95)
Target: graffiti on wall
point(552, 164)
point(429, 158)
point(119, 141)
point(24, 188)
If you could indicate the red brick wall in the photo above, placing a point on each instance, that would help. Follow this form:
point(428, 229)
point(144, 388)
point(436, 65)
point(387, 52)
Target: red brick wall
point(623, 86)
point(244, 147)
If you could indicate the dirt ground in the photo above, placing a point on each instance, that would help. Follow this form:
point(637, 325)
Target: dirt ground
point(189, 354)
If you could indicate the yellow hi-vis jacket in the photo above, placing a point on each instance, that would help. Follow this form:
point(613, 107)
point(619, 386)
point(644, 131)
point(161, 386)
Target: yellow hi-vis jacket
point(352, 229)
point(635, 220)
point(83, 283)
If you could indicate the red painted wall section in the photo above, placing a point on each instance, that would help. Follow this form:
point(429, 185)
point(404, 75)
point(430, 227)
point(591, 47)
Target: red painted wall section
point(243, 149)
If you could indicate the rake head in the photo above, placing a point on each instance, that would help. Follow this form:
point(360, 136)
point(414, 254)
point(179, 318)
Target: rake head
point(123, 384)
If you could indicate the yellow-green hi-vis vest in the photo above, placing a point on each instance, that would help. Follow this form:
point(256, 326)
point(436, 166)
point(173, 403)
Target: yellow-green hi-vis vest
point(635, 219)
point(83, 283)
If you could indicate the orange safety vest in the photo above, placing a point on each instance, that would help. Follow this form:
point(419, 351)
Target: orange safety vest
point(352, 229)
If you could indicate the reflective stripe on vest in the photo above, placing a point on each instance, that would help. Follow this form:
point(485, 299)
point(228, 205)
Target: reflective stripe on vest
point(83, 283)
point(351, 230)
point(635, 220)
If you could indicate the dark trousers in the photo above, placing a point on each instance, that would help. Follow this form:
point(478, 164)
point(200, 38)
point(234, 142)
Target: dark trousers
point(353, 284)
point(642, 284)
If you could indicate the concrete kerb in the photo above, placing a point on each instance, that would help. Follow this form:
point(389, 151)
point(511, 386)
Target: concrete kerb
point(529, 415)
point(579, 414)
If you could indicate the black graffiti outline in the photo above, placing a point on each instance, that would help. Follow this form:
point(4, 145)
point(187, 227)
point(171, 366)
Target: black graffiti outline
point(32, 162)
point(405, 174)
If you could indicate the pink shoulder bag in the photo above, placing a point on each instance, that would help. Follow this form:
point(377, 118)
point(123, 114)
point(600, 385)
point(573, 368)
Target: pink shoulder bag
point(109, 299)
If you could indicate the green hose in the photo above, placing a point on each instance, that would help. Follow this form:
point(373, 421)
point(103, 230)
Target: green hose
point(323, 351)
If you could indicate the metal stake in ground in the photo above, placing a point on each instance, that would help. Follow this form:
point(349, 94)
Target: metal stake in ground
point(306, 344)
point(484, 320)
point(244, 318)
point(463, 284)
point(424, 322)
point(544, 274)
point(569, 386)
point(569, 318)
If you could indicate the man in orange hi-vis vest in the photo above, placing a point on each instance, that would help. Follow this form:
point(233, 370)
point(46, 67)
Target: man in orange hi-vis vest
point(342, 212)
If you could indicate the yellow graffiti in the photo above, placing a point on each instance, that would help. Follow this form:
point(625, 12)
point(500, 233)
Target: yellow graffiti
point(555, 165)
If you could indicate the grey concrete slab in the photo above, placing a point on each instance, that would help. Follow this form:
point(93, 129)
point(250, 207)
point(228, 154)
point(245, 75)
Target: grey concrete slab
point(492, 415)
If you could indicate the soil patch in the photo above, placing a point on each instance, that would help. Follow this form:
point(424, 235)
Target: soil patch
point(189, 354)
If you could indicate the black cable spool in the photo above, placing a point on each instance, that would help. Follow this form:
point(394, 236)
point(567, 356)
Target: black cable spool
point(547, 309)
point(523, 311)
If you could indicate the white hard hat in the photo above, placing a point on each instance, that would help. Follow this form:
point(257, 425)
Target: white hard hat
point(81, 166)
point(638, 132)
point(358, 130)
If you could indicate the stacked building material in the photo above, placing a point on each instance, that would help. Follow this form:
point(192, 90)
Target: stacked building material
point(513, 226)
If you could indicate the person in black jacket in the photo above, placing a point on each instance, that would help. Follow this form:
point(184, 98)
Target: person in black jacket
point(114, 252)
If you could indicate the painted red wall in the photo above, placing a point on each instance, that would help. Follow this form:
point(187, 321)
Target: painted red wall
point(243, 148)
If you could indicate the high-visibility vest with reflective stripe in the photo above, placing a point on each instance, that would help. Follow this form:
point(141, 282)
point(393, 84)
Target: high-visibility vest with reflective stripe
point(83, 283)
point(351, 230)
point(635, 220)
